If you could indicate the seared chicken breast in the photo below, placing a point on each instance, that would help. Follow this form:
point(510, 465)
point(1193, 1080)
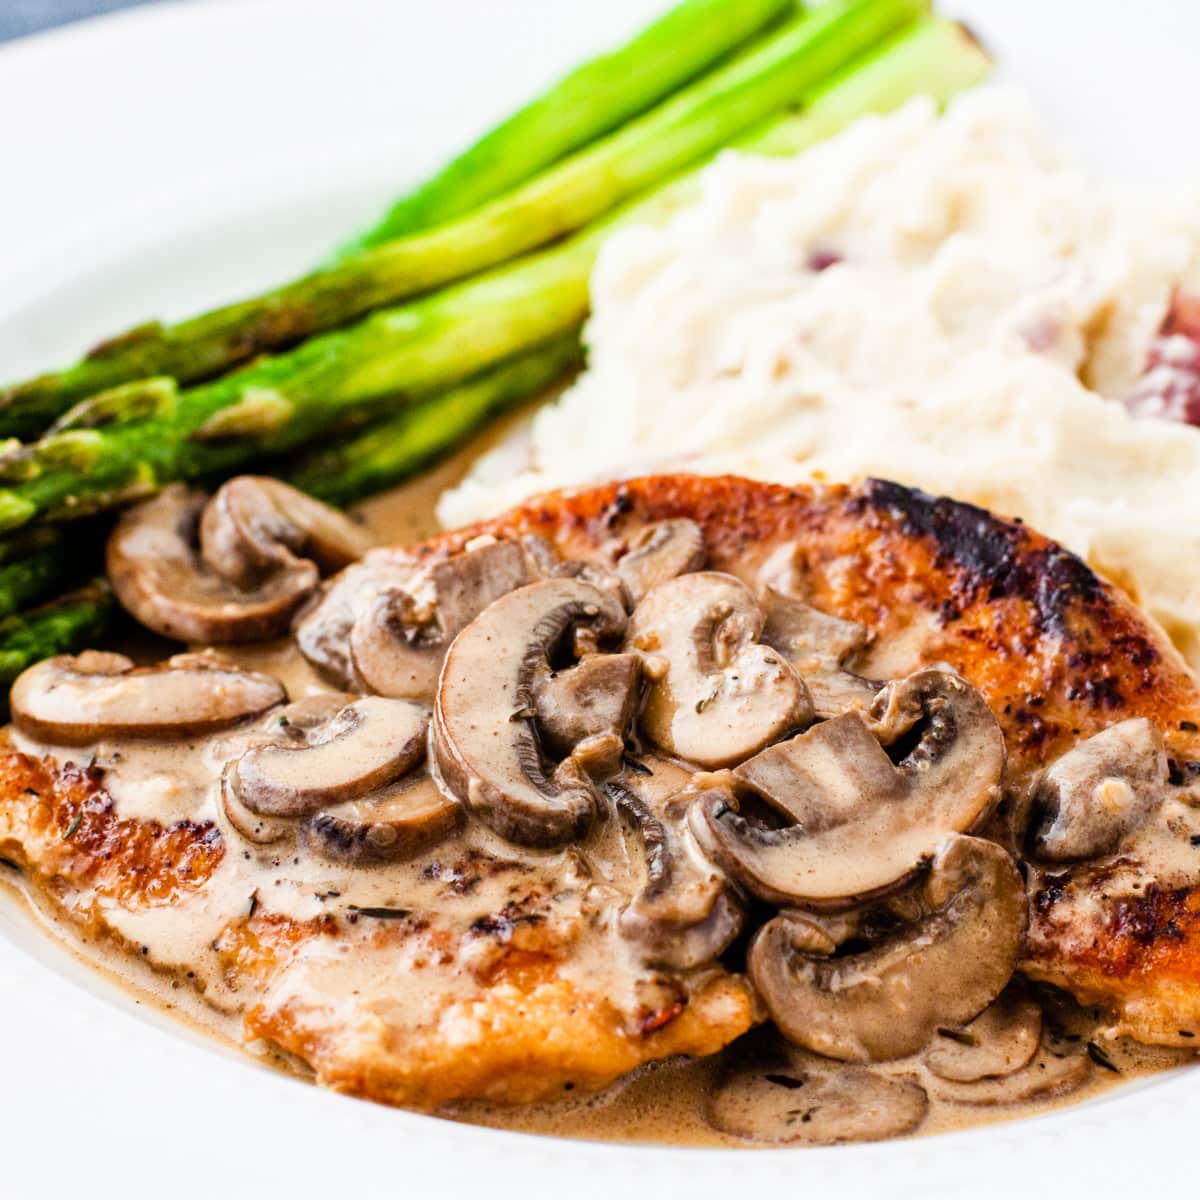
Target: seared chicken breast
point(465, 933)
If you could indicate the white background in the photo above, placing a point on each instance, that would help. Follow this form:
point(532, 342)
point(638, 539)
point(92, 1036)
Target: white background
point(163, 159)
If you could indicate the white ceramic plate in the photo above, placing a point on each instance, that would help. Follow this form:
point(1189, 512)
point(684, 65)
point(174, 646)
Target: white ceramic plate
point(154, 162)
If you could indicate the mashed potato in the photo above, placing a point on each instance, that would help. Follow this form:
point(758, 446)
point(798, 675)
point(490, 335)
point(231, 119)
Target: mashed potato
point(987, 307)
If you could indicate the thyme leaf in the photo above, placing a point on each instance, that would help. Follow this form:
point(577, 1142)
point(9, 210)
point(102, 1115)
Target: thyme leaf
point(1101, 1059)
point(785, 1081)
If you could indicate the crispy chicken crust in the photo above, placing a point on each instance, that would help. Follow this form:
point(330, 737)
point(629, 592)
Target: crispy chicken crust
point(57, 820)
point(1058, 653)
point(524, 1034)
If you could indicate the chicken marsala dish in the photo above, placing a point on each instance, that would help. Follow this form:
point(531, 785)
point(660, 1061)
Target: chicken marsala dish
point(692, 808)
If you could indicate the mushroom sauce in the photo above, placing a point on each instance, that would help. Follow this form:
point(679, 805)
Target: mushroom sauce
point(885, 931)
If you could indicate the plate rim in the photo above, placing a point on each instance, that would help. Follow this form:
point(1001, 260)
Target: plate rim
point(86, 1029)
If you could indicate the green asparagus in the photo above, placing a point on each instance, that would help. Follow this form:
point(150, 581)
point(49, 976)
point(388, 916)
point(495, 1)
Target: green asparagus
point(30, 541)
point(397, 445)
point(30, 579)
point(405, 353)
point(702, 118)
point(937, 58)
point(69, 623)
point(593, 100)
point(937, 55)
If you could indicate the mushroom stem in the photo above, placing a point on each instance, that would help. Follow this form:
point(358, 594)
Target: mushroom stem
point(686, 914)
point(1099, 792)
point(396, 654)
point(659, 552)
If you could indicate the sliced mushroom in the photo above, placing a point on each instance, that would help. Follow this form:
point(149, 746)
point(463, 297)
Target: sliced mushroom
point(818, 646)
point(822, 933)
point(1100, 791)
point(597, 696)
point(362, 747)
point(1050, 1072)
point(685, 914)
point(287, 726)
point(888, 1001)
point(322, 627)
point(860, 823)
point(398, 644)
point(160, 580)
point(484, 733)
point(792, 1097)
point(95, 695)
point(1001, 1040)
point(254, 827)
point(223, 597)
point(660, 552)
point(548, 564)
point(716, 695)
point(388, 825)
point(255, 527)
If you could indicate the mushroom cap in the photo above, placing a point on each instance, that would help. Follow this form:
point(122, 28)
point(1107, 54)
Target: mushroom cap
point(159, 578)
point(818, 645)
point(76, 700)
point(484, 734)
point(788, 1096)
point(861, 824)
point(888, 1001)
point(1001, 1040)
point(659, 552)
point(398, 644)
point(359, 748)
point(1100, 791)
point(392, 655)
point(255, 527)
point(254, 827)
point(1052, 1071)
point(321, 628)
point(685, 914)
point(287, 726)
point(388, 825)
point(716, 695)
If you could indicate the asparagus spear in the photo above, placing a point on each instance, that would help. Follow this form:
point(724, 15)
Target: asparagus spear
point(30, 579)
point(937, 57)
point(593, 100)
point(687, 128)
point(69, 623)
point(27, 542)
point(399, 444)
point(402, 353)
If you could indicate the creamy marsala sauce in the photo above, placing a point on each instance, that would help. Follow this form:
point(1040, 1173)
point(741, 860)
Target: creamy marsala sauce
point(1032, 1050)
